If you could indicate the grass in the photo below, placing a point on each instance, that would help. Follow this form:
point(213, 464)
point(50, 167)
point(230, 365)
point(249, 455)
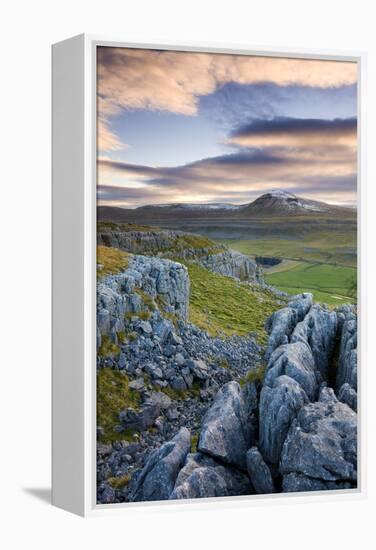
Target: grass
point(114, 395)
point(253, 375)
point(223, 306)
point(119, 482)
point(328, 283)
point(331, 245)
point(194, 442)
point(197, 243)
point(112, 261)
point(108, 348)
point(112, 226)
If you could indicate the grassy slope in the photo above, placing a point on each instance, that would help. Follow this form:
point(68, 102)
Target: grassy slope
point(111, 260)
point(113, 395)
point(223, 306)
point(328, 283)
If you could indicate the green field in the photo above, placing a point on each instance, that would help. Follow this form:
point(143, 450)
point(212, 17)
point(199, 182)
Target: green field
point(318, 259)
point(332, 247)
point(328, 283)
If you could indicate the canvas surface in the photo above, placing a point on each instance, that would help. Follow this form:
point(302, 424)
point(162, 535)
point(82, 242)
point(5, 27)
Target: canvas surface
point(226, 275)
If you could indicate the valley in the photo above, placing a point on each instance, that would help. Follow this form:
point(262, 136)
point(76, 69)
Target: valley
point(319, 241)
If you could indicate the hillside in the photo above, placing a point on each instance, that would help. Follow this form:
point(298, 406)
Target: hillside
point(273, 204)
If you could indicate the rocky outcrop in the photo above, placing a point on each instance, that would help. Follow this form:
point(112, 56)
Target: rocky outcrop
point(126, 292)
point(185, 246)
point(310, 439)
point(322, 441)
point(204, 477)
point(348, 358)
point(226, 431)
point(157, 479)
point(285, 432)
point(318, 330)
point(296, 361)
point(232, 264)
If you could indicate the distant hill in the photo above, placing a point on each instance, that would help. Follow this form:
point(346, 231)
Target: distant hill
point(273, 204)
point(281, 203)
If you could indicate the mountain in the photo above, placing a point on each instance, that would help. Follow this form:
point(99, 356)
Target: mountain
point(281, 203)
point(193, 206)
point(272, 204)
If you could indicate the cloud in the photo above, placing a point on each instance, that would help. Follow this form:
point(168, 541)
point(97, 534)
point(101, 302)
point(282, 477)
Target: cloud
point(308, 157)
point(295, 132)
point(107, 140)
point(174, 81)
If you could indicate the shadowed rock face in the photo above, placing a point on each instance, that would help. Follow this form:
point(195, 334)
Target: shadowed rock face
point(318, 330)
point(279, 405)
point(259, 472)
point(322, 441)
point(348, 358)
point(226, 429)
point(204, 477)
point(157, 479)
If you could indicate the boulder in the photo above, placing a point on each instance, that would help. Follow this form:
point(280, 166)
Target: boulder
point(281, 323)
point(279, 405)
point(279, 327)
point(140, 419)
point(259, 472)
point(198, 368)
point(157, 479)
point(322, 441)
point(226, 430)
point(302, 303)
point(296, 361)
point(204, 477)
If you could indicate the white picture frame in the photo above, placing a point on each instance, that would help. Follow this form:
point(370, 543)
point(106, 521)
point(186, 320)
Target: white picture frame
point(74, 276)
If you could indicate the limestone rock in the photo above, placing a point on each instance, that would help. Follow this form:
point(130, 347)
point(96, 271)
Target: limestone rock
point(295, 483)
point(157, 479)
point(296, 361)
point(322, 441)
point(348, 358)
point(226, 429)
point(279, 405)
point(348, 395)
point(318, 331)
point(204, 477)
point(258, 472)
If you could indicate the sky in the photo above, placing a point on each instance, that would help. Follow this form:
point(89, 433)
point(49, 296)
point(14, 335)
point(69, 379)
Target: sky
point(205, 128)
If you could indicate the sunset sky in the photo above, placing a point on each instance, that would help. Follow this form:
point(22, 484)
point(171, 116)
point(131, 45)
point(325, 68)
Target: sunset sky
point(199, 127)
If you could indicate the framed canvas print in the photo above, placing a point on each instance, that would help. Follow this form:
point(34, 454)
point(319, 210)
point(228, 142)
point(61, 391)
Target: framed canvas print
point(206, 275)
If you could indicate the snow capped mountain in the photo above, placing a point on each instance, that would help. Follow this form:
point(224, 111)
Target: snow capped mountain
point(282, 202)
